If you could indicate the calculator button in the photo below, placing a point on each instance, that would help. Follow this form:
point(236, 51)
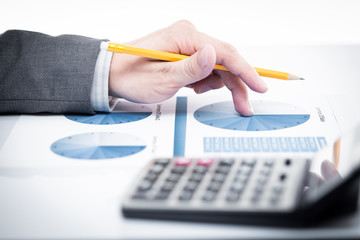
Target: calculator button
point(256, 197)
point(168, 186)
point(185, 195)
point(214, 186)
point(232, 196)
point(259, 188)
point(205, 162)
point(223, 169)
point(151, 177)
point(226, 162)
point(237, 187)
point(145, 185)
point(139, 195)
point(156, 169)
point(241, 178)
point(278, 188)
point(269, 162)
point(282, 177)
point(288, 162)
point(178, 169)
point(249, 162)
point(262, 179)
point(196, 177)
point(162, 195)
point(245, 169)
point(200, 169)
point(219, 177)
point(191, 186)
point(275, 198)
point(276, 193)
point(162, 161)
point(265, 171)
point(173, 177)
point(209, 196)
point(183, 162)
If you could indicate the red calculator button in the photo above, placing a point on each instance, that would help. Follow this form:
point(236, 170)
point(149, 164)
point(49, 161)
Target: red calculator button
point(205, 162)
point(183, 162)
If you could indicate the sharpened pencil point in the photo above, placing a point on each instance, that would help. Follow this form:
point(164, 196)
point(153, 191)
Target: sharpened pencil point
point(294, 77)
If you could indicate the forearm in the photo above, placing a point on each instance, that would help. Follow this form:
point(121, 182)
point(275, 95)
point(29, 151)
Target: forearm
point(41, 73)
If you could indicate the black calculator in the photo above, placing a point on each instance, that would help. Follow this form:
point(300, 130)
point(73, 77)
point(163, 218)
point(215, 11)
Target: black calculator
point(250, 190)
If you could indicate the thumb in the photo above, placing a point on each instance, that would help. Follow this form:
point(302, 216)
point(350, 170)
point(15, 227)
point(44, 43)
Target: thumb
point(196, 67)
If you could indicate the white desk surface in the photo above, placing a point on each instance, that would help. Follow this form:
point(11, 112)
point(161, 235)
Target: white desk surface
point(316, 39)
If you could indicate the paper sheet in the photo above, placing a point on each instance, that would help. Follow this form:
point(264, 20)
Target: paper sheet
point(194, 126)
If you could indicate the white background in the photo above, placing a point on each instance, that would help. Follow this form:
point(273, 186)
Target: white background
point(237, 22)
point(294, 36)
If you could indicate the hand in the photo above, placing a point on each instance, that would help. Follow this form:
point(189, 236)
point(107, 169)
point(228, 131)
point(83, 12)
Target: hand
point(143, 80)
point(328, 172)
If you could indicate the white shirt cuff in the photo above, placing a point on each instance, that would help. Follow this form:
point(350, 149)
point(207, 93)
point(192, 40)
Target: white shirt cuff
point(100, 98)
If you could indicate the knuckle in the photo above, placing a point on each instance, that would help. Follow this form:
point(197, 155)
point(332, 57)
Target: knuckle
point(229, 49)
point(185, 24)
point(246, 70)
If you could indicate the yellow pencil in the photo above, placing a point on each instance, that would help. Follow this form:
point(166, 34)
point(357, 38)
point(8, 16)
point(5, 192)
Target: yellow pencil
point(173, 57)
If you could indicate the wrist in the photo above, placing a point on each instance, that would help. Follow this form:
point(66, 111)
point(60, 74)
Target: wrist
point(99, 91)
point(121, 70)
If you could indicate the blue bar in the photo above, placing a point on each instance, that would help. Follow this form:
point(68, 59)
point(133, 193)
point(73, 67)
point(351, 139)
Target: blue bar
point(293, 144)
point(264, 144)
point(312, 143)
point(304, 147)
point(217, 144)
point(245, 146)
point(226, 142)
point(274, 144)
point(284, 144)
point(180, 126)
point(207, 144)
point(255, 146)
point(236, 144)
point(322, 142)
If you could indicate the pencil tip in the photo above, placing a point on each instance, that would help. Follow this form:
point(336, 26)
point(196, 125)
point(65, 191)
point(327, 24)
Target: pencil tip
point(294, 77)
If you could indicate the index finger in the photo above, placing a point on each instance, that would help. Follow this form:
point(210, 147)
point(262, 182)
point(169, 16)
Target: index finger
point(228, 56)
point(329, 171)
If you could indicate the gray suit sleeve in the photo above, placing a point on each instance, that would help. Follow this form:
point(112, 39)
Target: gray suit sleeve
point(41, 73)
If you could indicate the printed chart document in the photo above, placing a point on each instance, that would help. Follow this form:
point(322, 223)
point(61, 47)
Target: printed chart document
point(279, 126)
point(128, 136)
point(194, 126)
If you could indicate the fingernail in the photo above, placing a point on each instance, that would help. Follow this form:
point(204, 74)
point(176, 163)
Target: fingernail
point(202, 58)
point(264, 84)
point(251, 109)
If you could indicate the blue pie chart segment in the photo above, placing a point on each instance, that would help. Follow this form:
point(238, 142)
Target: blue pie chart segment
point(268, 116)
point(99, 145)
point(124, 112)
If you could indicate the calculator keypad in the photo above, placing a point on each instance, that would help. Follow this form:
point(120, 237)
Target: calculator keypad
point(234, 183)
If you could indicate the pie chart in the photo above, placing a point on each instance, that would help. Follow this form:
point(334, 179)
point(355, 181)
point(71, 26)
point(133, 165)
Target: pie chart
point(124, 112)
point(98, 145)
point(268, 116)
